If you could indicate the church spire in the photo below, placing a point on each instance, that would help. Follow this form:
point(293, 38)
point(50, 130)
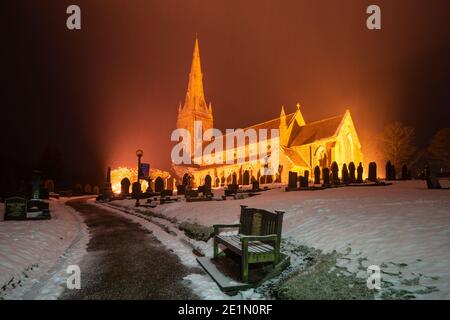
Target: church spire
point(195, 97)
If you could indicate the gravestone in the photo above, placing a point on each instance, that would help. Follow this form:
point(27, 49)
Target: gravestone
point(208, 181)
point(181, 189)
point(360, 171)
point(405, 173)
point(293, 177)
point(49, 184)
point(389, 170)
point(78, 190)
point(125, 186)
point(317, 175)
point(304, 181)
point(345, 175)
point(255, 186)
point(159, 184)
point(427, 171)
point(15, 208)
point(87, 189)
point(372, 172)
point(326, 176)
point(335, 173)
point(107, 189)
point(96, 190)
point(136, 190)
point(36, 185)
point(433, 182)
point(351, 170)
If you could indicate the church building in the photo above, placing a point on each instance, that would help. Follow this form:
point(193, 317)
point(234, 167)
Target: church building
point(301, 146)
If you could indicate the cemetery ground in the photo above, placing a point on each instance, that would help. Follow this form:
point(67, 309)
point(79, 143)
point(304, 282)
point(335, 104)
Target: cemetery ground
point(331, 236)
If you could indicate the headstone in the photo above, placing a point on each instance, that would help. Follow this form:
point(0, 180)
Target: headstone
point(326, 176)
point(78, 190)
point(389, 170)
point(136, 190)
point(96, 190)
point(372, 172)
point(36, 185)
point(125, 186)
point(159, 184)
point(427, 171)
point(317, 175)
point(335, 172)
point(405, 174)
point(360, 171)
point(107, 189)
point(181, 189)
point(304, 182)
point(49, 184)
point(292, 182)
point(15, 208)
point(345, 175)
point(87, 189)
point(433, 182)
point(351, 170)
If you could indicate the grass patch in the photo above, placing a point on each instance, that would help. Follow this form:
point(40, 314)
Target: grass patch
point(196, 231)
point(322, 280)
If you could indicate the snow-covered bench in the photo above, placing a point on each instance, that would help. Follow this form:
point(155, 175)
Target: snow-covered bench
point(258, 240)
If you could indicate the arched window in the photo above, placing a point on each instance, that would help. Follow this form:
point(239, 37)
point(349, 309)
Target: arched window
point(321, 157)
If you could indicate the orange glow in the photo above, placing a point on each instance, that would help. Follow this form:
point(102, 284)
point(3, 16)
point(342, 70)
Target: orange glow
point(121, 173)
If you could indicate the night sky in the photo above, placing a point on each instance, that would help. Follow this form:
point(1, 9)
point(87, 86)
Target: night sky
point(96, 95)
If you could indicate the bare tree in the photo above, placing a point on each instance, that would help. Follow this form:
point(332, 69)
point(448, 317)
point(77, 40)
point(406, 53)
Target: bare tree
point(397, 143)
point(439, 148)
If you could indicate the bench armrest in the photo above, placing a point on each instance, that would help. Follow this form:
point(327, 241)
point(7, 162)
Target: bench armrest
point(217, 227)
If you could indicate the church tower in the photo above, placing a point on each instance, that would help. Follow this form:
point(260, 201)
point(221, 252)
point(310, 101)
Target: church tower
point(195, 107)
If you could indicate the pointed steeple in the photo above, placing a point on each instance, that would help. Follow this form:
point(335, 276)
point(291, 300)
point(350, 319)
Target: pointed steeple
point(282, 114)
point(299, 116)
point(195, 96)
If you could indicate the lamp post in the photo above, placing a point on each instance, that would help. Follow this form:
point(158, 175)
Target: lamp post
point(139, 154)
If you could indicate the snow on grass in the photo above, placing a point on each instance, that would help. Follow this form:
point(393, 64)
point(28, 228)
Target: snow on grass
point(35, 254)
point(403, 228)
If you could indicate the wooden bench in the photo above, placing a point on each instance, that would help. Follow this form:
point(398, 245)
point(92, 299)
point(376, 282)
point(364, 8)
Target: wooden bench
point(258, 240)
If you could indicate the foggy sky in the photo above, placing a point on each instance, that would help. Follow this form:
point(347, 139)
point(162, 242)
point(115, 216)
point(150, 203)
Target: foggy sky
point(100, 93)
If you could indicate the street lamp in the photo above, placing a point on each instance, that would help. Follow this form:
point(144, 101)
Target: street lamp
point(139, 154)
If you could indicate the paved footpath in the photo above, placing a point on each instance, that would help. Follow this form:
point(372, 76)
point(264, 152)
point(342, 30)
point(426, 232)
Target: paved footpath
point(125, 261)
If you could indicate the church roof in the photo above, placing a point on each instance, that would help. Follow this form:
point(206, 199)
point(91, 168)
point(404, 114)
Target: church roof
point(272, 124)
point(295, 157)
point(314, 131)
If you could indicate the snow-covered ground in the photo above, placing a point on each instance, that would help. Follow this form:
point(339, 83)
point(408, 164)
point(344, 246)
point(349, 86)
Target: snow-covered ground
point(34, 255)
point(403, 228)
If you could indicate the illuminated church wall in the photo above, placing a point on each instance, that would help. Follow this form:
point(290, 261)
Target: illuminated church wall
point(301, 145)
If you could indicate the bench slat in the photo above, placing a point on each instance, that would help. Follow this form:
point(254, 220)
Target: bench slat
point(253, 247)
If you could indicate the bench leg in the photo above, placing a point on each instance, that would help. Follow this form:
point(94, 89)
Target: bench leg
point(216, 248)
point(244, 268)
